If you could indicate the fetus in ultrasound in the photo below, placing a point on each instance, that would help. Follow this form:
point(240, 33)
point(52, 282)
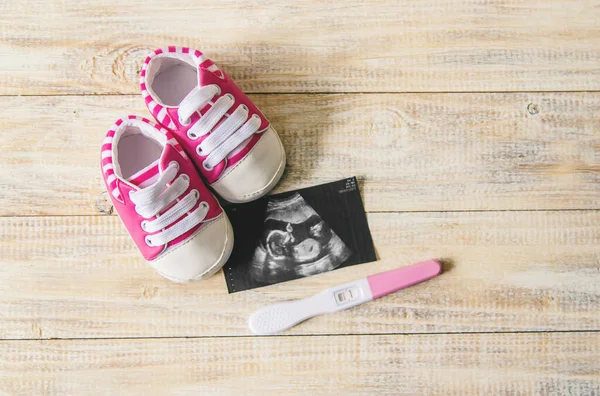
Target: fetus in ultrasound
point(296, 242)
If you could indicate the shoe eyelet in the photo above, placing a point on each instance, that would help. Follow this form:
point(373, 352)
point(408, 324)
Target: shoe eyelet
point(230, 96)
point(174, 163)
point(199, 151)
point(185, 122)
point(206, 167)
point(196, 194)
point(144, 225)
point(148, 241)
point(192, 135)
point(185, 177)
point(204, 204)
point(218, 90)
point(245, 107)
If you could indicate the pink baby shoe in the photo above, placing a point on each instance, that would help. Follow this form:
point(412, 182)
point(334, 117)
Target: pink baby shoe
point(233, 145)
point(175, 221)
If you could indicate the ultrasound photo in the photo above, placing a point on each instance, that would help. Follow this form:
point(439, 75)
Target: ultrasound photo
point(297, 234)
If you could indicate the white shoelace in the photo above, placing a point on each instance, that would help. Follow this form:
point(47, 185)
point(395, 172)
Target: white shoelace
point(228, 135)
point(150, 201)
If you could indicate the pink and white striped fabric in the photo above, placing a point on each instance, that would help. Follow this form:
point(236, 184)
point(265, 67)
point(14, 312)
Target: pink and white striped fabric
point(157, 110)
point(228, 138)
point(107, 163)
point(108, 170)
point(208, 73)
point(165, 152)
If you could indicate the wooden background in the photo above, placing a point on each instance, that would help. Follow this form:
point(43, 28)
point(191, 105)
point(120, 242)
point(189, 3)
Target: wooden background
point(473, 127)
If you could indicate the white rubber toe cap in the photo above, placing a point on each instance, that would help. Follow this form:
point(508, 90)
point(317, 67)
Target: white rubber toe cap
point(257, 173)
point(201, 256)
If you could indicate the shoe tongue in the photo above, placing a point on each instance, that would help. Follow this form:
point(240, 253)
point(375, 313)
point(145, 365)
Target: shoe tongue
point(146, 176)
point(208, 74)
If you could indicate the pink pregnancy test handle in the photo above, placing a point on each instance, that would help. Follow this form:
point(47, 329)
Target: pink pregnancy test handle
point(391, 281)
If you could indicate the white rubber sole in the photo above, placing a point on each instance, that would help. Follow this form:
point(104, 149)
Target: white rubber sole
point(265, 190)
point(227, 249)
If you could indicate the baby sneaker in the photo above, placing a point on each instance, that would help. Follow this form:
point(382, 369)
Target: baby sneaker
point(175, 221)
point(230, 140)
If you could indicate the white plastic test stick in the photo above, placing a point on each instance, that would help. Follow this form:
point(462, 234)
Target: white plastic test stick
point(282, 316)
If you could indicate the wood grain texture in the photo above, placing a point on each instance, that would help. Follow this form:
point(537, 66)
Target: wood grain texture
point(504, 186)
point(74, 277)
point(91, 47)
point(442, 364)
point(411, 152)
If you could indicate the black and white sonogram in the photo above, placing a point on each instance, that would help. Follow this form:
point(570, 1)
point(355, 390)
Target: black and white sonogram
point(297, 234)
point(296, 242)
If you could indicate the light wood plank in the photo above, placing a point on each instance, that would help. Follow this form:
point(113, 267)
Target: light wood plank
point(50, 47)
point(411, 152)
point(440, 364)
point(71, 277)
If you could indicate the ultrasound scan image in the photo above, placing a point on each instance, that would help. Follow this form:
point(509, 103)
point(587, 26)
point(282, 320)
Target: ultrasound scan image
point(296, 234)
point(296, 243)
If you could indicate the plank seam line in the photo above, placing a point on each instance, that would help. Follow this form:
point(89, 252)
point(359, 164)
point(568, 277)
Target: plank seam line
point(485, 210)
point(367, 211)
point(331, 93)
point(305, 335)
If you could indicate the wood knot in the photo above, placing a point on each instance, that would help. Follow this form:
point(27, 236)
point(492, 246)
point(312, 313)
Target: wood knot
point(103, 203)
point(36, 329)
point(150, 291)
point(533, 109)
point(127, 61)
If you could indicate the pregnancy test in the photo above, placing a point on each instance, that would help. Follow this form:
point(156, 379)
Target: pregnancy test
point(282, 316)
